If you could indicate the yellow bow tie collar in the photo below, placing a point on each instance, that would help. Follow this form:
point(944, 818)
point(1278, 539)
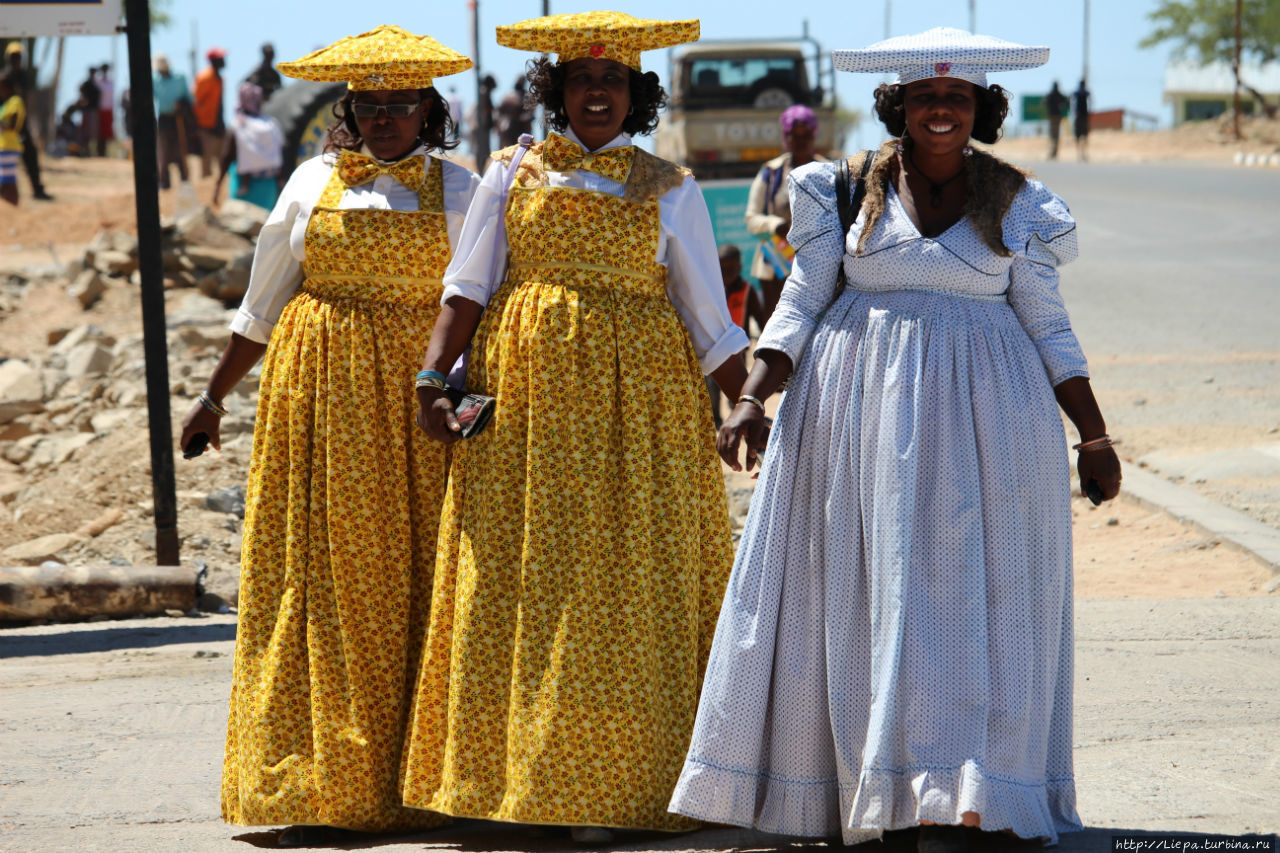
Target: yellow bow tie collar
point(560, 154)
point(356, 169)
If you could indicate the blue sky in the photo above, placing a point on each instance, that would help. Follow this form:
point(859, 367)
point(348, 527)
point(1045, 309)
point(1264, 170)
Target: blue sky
point(1121, 74)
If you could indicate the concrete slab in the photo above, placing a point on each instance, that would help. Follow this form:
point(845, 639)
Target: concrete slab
point(1227, 524)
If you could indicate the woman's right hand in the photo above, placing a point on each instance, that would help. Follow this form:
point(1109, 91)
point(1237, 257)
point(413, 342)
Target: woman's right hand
point(435, 416)
point(745, 425)
point(201, 420)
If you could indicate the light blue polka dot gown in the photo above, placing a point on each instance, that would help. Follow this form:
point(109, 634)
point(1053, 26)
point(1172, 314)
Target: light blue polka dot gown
point(895, 644)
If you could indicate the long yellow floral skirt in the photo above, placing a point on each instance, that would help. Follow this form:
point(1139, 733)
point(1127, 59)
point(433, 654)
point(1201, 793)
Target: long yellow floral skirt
point(339, 545)
point(583, 553)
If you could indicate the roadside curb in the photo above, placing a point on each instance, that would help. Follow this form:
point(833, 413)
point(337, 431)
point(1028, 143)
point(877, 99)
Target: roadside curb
point(1227, 524)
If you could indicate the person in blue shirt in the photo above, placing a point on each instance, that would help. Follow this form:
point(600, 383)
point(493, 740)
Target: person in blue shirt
point(173, 107)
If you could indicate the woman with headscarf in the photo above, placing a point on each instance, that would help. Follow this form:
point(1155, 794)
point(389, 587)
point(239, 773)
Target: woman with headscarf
point(768, 208)
point(894, 656)
point(344, 492)
point(252, 152)
point(585, 538)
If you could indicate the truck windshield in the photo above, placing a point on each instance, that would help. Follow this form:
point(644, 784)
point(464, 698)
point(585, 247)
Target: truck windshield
point(724, 82)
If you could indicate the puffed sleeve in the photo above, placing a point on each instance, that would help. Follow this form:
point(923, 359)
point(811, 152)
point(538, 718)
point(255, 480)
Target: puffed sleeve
point(480, 242)
point(277, 259)
point(1042, 234)
point(460, 185)
point(694, 284)
point(820, 246)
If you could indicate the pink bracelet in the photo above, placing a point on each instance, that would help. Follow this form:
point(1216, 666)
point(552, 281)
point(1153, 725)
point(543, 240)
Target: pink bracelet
point(1098, 443)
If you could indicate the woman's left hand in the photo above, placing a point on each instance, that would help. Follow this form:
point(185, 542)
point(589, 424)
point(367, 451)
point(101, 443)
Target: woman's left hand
point(1102, 466)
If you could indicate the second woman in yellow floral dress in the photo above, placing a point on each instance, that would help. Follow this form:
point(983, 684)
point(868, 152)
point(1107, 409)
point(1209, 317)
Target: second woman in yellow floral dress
point(585, 541)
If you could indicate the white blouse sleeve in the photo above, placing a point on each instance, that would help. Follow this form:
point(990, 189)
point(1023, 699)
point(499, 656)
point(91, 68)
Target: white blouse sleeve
point(1042, 234)
point(694, 284)
point(460, 184)
point(277, 264)
point(478, 242)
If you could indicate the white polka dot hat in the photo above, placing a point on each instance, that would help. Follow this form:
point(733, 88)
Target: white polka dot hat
point(941, 52)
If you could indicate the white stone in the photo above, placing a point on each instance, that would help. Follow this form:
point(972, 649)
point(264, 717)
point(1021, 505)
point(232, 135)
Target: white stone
point(88, 359)
point(21, 390)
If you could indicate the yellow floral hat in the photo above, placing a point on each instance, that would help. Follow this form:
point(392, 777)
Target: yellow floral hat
point(602, 35)
point(385, 58)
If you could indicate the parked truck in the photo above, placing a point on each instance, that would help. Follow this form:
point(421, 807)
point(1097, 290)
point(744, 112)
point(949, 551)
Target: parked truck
point(722, 119)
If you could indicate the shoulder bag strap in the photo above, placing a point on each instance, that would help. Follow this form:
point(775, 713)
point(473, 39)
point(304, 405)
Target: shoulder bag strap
point(848, 207)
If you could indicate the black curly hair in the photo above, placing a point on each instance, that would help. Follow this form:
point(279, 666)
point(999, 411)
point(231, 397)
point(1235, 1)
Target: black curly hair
point(439, 131)
point(992, 105)
point(546, 88)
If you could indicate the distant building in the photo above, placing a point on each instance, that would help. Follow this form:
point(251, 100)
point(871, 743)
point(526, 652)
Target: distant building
point(1199, 92)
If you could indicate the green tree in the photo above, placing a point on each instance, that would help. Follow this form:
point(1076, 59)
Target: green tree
point(1205, 31)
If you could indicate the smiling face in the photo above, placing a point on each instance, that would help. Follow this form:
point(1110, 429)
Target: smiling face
point(389, 137)
point(597, 95)
point(939, 113)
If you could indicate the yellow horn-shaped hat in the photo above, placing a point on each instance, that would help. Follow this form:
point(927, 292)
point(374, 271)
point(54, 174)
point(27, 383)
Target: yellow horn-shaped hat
point(385, 58)
point(602, 35)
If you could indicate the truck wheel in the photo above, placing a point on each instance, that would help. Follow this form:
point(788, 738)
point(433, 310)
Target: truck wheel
point(304, 111)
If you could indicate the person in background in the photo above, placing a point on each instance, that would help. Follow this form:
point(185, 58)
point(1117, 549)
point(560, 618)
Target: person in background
point(22, 79)
point(90, 98)
point(173, 107)
point(768, 209)
point(1080, 104)
point(13, 115)
point(251, 152)
point(106, 108)
point(265, 76)
point(1055, 107)
point(513, 115)
point(744, 303)
point(344, 491)
point(208, 110)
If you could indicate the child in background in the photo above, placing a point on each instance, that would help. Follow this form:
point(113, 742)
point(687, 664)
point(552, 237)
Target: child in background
point(13, 113)
point(743, 301)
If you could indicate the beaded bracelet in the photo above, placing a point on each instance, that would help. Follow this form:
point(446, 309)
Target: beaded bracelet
point(1102, 441)
point(747, 398)
point(429, 379)
point(205, 400)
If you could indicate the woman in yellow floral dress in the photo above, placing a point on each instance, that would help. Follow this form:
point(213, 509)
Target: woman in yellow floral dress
point(585, 540)
point(344, 493)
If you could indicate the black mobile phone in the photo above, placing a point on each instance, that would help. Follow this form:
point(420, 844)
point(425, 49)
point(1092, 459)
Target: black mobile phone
point(196, 445)
point(1093, 491)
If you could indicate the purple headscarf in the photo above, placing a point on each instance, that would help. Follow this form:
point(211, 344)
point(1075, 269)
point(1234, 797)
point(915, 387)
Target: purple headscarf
point(797, 114)
point(251, 99)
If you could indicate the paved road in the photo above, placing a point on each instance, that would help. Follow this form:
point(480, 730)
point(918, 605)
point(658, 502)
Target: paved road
point(1176, 299)
point(112, 734)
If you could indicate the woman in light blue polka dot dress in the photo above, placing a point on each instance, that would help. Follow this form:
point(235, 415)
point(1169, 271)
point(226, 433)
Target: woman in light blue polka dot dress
point(894, 654)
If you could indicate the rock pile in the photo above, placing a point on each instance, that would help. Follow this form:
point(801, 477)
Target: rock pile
point(212, 252)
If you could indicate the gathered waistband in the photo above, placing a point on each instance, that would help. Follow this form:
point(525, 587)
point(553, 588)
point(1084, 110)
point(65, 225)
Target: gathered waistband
point(416, 292)
point(938, 291)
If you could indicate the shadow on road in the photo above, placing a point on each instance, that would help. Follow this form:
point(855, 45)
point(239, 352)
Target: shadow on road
point(476, 836)
point(77, 640)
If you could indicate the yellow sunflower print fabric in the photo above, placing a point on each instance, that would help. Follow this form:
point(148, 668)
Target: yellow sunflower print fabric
point(584, 542)
point(340, 528)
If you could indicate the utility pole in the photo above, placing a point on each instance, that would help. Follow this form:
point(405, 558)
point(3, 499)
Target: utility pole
point(481, 152)
point(888, 16)
point(1235, 66)
point(973, 16)
point(1084, 73)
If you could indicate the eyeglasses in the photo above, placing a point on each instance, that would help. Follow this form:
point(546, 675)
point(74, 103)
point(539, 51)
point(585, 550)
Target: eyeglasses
point(392, 110)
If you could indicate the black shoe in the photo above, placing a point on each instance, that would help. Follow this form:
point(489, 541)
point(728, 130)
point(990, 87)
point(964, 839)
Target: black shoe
point(41, 195)
point(900, 840)
point(940, 838)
